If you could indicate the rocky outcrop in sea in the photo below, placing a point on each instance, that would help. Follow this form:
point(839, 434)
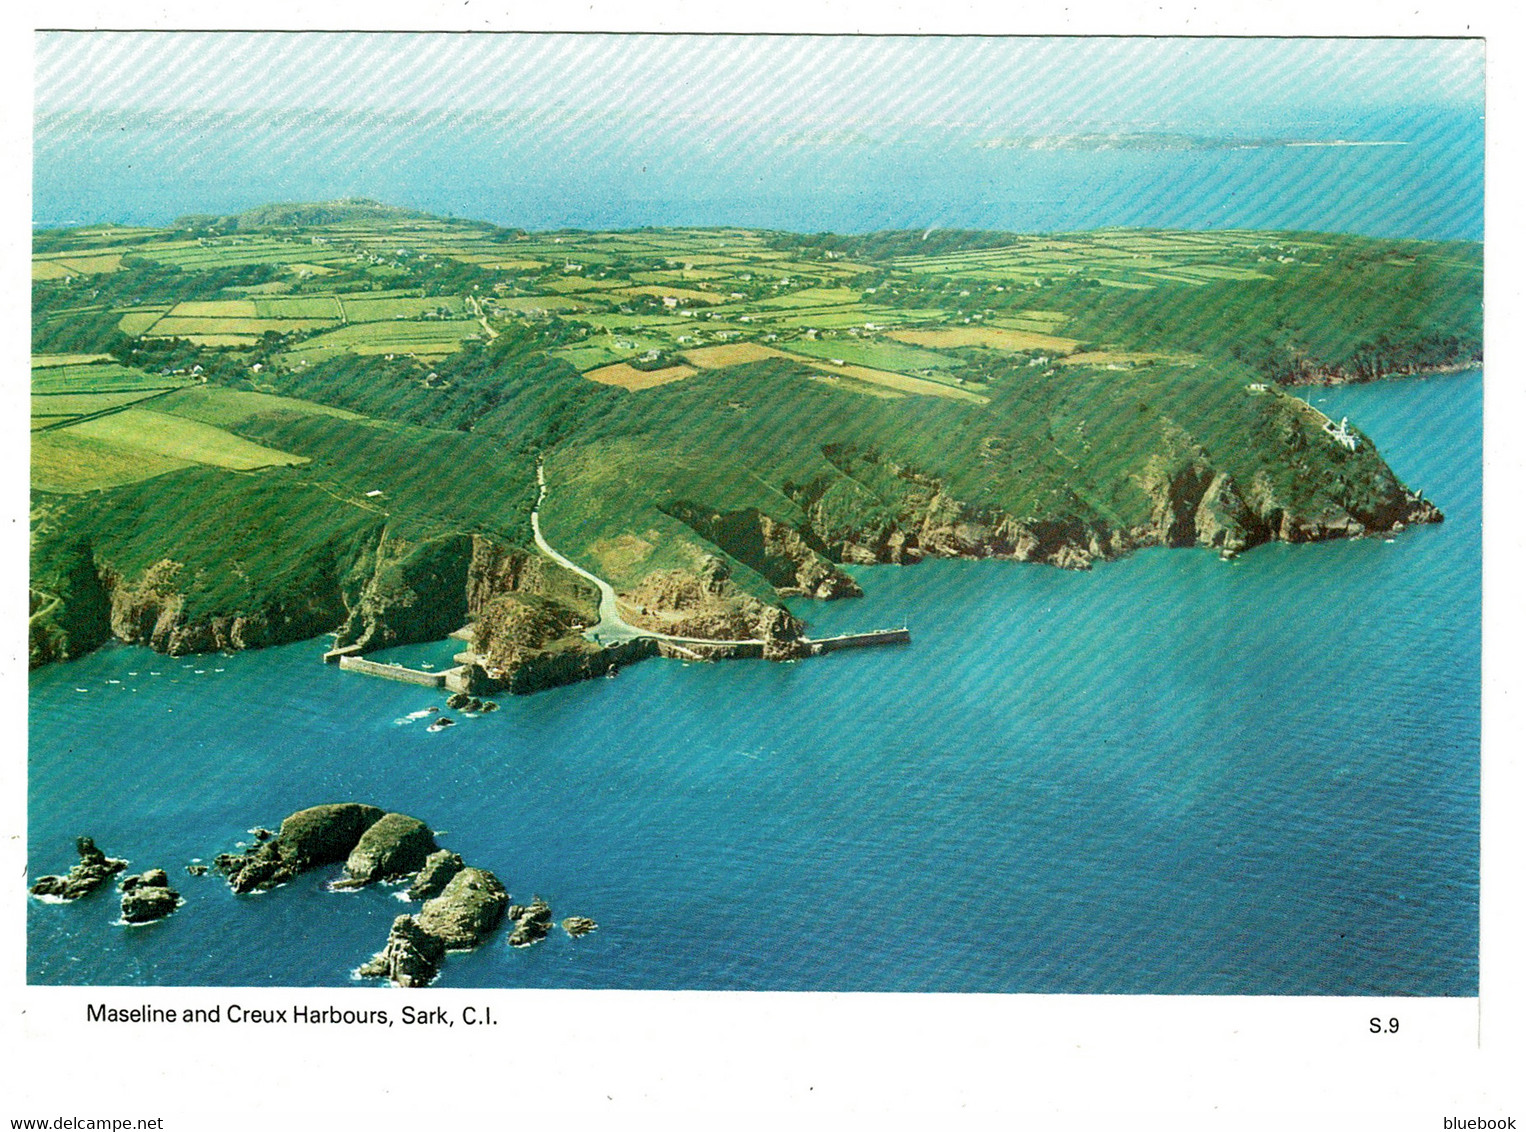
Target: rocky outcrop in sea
point(148, 896)
point(395, 847)
point(320, 835)
point(94, 870)
point(532, 923)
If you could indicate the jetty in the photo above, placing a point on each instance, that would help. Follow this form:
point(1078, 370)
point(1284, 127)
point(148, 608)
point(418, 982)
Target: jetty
point(871, 639)
point(451, 679)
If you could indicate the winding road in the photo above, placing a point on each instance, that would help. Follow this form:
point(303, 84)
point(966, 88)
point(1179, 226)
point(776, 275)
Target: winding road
point(612, 628)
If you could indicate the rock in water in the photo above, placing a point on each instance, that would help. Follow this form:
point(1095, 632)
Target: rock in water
point(316, 836)
point(468, 908)
point(441, 865)
point(148, 897)
point(322, 835)
point(94, 869)
point(578, 925)
point(410, 959)
point(532, 923)
point(395, 846)
point(458, 701)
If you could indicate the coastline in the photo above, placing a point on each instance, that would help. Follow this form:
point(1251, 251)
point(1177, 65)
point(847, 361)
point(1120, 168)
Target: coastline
point(1328, 377)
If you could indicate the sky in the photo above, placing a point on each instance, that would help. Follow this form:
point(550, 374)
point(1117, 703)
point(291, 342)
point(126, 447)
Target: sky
point(839, 80)
point(801, 132)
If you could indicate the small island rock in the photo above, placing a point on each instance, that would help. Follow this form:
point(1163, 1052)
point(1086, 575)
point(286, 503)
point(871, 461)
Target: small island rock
point(578, 925)
point(395, 846)
point(470, 907)
point(532, 923)
point(94, 869)
point(319, 835)
point(410, 959)
point(148, 897)
point(441, 865)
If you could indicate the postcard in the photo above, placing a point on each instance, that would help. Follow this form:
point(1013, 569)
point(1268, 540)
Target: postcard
point(983, 519)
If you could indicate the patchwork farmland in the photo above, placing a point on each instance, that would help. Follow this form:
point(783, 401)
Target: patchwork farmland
point(356, 307)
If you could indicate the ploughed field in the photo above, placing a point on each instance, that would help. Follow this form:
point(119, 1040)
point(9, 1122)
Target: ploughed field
point(248, 429)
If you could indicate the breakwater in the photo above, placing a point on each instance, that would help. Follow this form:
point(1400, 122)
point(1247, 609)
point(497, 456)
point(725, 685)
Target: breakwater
point(859, 640)
point(445, 678)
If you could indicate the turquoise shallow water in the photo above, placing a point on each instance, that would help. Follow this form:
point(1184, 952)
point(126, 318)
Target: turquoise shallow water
point(1167, 775)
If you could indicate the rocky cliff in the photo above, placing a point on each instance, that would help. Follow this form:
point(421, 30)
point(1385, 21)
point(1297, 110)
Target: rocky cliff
point(391, 591)
point(705, 602)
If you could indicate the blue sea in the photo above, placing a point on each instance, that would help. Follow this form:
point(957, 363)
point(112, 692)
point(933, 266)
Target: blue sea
point(1170, 774)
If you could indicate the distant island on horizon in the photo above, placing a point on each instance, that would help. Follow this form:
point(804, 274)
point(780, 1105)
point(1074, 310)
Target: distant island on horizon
point(575, 448)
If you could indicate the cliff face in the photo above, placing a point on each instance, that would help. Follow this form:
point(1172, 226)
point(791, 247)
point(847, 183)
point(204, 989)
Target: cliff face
point(150, 610)
point(794, 562)
point(394, 591)
point(401, 592)
point(706, 603)
point(1356, 374)
point(1191, 505)
point(888, 513)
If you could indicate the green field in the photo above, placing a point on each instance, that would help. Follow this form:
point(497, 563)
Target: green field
point(388, 338)
point(299, 306)
point(173, 326)
point(361, 309)
point(228, 408)
point(83, 404)
point(67, 463)
point(877, 353)
point(98, 377)
point(178, 438)
point(859, 316)
point(812, 297)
